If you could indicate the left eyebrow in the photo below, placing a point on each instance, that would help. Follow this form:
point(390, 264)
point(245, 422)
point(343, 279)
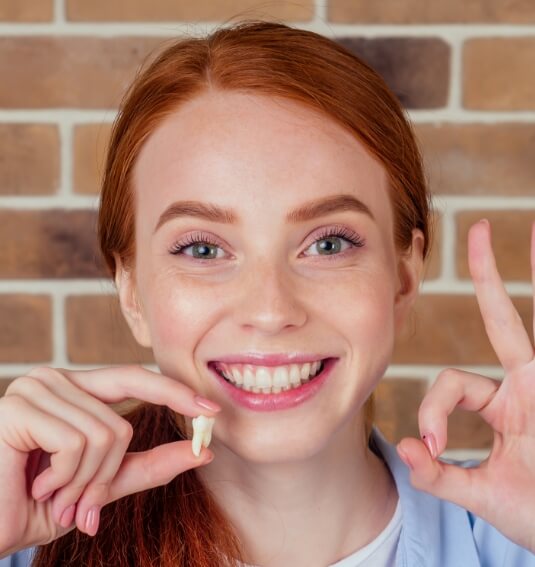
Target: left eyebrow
point(306, 212)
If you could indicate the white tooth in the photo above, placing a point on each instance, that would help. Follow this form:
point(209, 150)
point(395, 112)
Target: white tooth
point(305, 371)
point(295, 376)
point(255, 390)
point(202, 432)
point(238, 378)
point(314, 368)
point(280, 378)
point(276, 389)
point(263, 378)
point(248, 379)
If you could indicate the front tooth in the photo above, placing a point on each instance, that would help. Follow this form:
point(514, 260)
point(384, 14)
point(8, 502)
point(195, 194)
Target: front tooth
point(248, 379)
point(314, 368)
point(280, 378)
point(263, 378)
point(305, 371)
point(295, 376)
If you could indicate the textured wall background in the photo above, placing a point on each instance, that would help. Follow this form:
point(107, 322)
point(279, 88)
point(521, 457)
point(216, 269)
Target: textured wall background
point(464, 71)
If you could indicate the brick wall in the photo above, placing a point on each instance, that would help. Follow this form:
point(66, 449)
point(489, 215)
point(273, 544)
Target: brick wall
point(463, 70)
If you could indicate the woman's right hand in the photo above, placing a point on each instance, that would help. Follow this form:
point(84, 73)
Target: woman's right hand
point(63, 450)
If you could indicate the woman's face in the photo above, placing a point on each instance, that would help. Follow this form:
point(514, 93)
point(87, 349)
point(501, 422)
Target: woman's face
point(261, 283)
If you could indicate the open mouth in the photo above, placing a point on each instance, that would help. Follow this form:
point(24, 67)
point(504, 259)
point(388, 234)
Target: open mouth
point(269, 380)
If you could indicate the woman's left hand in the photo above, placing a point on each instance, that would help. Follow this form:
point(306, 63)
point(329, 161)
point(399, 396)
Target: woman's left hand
point(501, 489)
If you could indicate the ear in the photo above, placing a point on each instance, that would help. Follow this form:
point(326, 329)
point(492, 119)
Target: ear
point(410, 268)
point(130, 306)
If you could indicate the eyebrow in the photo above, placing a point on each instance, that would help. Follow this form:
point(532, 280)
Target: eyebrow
point(306, 212)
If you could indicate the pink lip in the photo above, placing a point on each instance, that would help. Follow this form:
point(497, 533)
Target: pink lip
point(262, 359)
point(283, 400)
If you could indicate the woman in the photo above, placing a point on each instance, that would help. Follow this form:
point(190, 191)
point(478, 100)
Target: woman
point(265, 217)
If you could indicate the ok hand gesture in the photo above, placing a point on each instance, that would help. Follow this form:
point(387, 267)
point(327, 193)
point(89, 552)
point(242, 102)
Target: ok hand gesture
point(501, 489)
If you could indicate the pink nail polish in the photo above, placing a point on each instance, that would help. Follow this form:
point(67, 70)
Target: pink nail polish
point(429, 440)
point(91, 521)
point(206, 404)
point(67, 516)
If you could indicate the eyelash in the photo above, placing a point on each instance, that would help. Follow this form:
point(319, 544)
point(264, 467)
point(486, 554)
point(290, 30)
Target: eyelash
point(341, 232)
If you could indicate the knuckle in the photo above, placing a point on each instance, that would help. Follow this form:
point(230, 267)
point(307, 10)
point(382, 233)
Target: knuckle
point(75, 442)
point(102, 437)
point(24, 384)
point(125, 431)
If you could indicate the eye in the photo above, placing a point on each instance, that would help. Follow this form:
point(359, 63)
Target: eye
point(329, 241)
point(203, 247)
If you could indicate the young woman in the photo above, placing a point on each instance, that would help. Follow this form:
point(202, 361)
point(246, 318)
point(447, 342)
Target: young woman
point(265, 217)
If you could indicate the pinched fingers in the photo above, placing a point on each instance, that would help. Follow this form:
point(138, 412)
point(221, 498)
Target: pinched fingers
point(452, 388)
point(100, 441)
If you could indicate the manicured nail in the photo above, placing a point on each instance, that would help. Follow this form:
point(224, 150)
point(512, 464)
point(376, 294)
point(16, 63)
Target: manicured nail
point(206, 404)
point(67, 517)
point(45, 496)
point(429, 440)
point(405, 458)
point(91, 521)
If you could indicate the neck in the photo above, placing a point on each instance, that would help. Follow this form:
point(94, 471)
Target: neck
point(311, 512)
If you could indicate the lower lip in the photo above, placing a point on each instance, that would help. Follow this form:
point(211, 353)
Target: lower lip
point(283, 400)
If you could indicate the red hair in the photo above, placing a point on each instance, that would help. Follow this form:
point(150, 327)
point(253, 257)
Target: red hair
point(180, 524)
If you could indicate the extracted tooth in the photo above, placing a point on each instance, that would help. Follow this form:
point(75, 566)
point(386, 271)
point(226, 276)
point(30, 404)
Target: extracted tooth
point(202, 433)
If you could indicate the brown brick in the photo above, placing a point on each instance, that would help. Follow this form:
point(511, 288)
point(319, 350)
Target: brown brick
point(26, 10)
point(433, 264)
point(423, 11)
point(29, 159)
point(90, 144)
point(97, 332)
point(479, 159)
point(62, 71)
point(497, 73)
point(448, 330)
point(416, 69)
point(468, 430)
point(25, 328)
point(397, 401)
point(185, 10)
point(49, 244)
point(4, 383)
point(511, 232)
point(396, 407)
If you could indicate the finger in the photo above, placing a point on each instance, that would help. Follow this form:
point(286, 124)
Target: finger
point(113, 385)
point(466, 487)
point(95, 494)
point(68, 484)
point(24, 427)
point(503, 324)
point(155, 467)
point(453, 388)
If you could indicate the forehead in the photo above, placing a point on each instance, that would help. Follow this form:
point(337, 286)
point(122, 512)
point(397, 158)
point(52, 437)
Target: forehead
point(245, 151)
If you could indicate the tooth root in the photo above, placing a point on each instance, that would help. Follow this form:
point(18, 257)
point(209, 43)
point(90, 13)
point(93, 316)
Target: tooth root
point(202, 433)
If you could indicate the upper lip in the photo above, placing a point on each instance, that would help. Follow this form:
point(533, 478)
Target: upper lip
point(270, 359)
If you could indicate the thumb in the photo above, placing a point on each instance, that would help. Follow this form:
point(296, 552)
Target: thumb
point(462, 486)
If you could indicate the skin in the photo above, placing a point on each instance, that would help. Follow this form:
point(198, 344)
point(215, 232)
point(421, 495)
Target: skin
point(270, 290)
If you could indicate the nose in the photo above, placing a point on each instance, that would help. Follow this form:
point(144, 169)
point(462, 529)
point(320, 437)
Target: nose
point(269, 300)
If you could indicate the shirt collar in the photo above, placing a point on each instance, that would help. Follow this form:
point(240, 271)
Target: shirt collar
point(429, 523)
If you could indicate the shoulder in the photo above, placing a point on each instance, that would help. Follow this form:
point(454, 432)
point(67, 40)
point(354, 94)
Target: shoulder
point(21, 558)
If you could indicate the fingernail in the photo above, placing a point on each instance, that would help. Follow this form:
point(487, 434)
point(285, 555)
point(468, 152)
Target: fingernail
point(206, 404)
point(45, 496)
point(484, 221)
point(405, 458)
point(67, 517)
point(91, 520)
point(429, 440)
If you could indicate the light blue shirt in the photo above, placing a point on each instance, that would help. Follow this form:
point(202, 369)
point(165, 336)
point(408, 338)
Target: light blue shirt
point(435, 533)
